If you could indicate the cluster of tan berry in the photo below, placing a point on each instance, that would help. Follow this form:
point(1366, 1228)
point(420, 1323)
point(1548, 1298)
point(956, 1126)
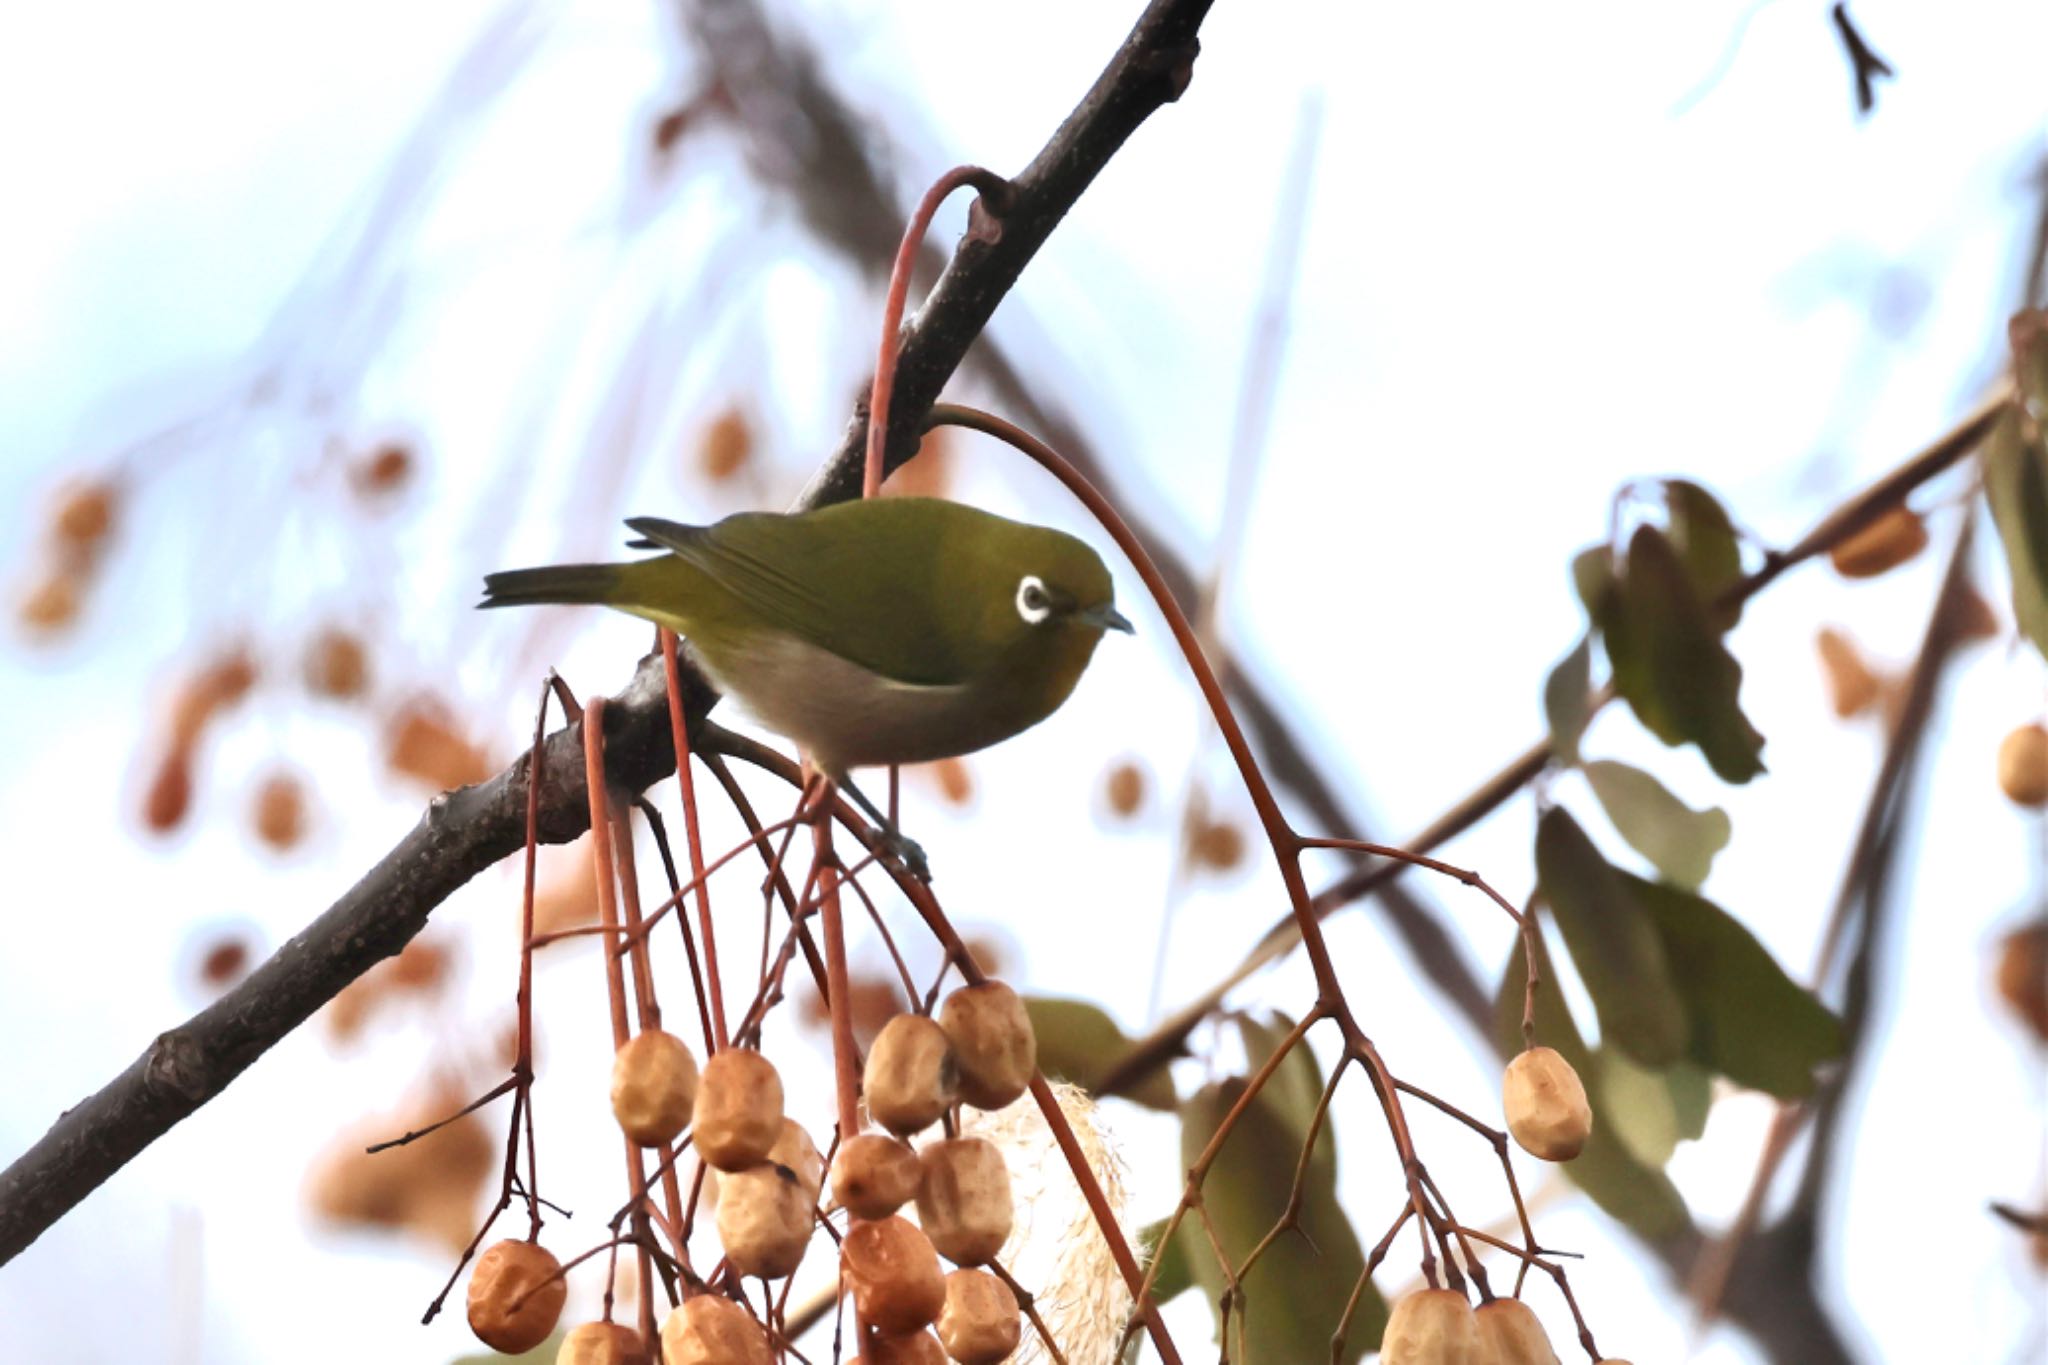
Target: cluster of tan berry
point(1437, 1327)
point(1549, 1117)
point(979, 1051)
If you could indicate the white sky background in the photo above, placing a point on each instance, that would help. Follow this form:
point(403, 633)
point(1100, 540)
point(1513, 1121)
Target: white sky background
point(1525, 280)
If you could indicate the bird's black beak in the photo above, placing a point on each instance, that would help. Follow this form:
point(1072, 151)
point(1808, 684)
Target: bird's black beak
point(1106, 617)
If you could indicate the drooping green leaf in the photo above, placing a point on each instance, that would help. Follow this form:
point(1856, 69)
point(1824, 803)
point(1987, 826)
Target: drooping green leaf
point(1705, 540)
point(1593, 578)
point(1564, 701)
point(1077, 1042)
point(1669, 662)
point(1749, 1021)
point(2016, 485)
point(1633, 1193)
point(1653, 1110)
point(1296, 1293)
point(1680, 842)
point(2028, 332)
point(1176, 1270)
point(1613, 944)
point(1296, 1087)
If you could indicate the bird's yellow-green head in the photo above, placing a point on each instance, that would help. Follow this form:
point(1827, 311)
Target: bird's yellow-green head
point(890, 630)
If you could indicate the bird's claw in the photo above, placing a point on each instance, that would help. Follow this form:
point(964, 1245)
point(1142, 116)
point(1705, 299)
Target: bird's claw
point(893, 843)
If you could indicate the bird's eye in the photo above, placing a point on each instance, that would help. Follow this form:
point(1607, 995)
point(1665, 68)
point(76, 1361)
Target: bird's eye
point(1032, 602)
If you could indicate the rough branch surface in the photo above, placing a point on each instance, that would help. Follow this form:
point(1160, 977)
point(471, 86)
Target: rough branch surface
point(466, 831)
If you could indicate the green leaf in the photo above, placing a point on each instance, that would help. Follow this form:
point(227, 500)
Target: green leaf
point(1680, 842)
point(1296, 1293)
point(1669, 663)
point(1750, 1021)
point(1613, 944)
point(1077, 1042)
point(2016, 485)
point(1564, 701)
point(1632, 1192)
point(1593, 578)
point(1296, 1087)
point(1653, 1110)
point(1705, 541)
point(1176, 1268)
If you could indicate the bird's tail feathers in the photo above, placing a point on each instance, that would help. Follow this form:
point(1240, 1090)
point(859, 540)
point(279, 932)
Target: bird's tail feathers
point(556, 583)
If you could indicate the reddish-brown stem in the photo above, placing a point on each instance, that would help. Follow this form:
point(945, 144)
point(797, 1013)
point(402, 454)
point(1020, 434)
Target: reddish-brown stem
point(644, 994)
point(675, 899)
point(680, 735)
point(675, 894)
point(1198, 1172)
point(1290, 1217)
point(846, 1082)
point(993, 189)
point(614, 971)
point(852, 883)
point(1463, 875)
point(522, 1064)
point(1499, 1141)
point(1285, 843)
point(922, 900)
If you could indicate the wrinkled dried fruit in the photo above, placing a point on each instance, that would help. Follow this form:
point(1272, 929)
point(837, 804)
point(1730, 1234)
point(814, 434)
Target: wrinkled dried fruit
point(1852, 687)
point(1512, 1334)
point(795, 1151)
point(873, 1176)
point(2023, 766)
point(917, 1348)
point(83, 516)
point(654, 1087)
point(710, 1330)
point(1546, 1105)
point(429, 1187)
point(206, 694)
point(516, 1294)
point(383, 470)
point(911, 1077)
point(224, 963)
point(279, 815)
point(980, 1324)
point(423, 744)
point(894, 1275)
point(1433, 1327)
point(602, 1343)
point(728, 444)
point(1895, 537)
point(337, 665)
point(53, 603)
point(993, 1044)
point(1125, 789)
point(956, 783)
point(2023, 975)
point(764, 1220)
point(739, 1110)
point(169, 798)
point(963, 1201)
point(1218, 845)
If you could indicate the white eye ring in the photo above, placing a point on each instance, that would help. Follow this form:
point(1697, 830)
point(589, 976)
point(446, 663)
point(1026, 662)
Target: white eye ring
point(1032, 603)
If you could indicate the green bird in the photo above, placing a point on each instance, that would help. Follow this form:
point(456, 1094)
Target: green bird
point(888, 630)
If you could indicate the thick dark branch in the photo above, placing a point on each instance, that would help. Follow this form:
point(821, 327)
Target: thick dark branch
point(468, 830)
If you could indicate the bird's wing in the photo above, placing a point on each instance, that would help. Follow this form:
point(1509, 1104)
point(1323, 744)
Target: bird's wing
point(823, 591)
